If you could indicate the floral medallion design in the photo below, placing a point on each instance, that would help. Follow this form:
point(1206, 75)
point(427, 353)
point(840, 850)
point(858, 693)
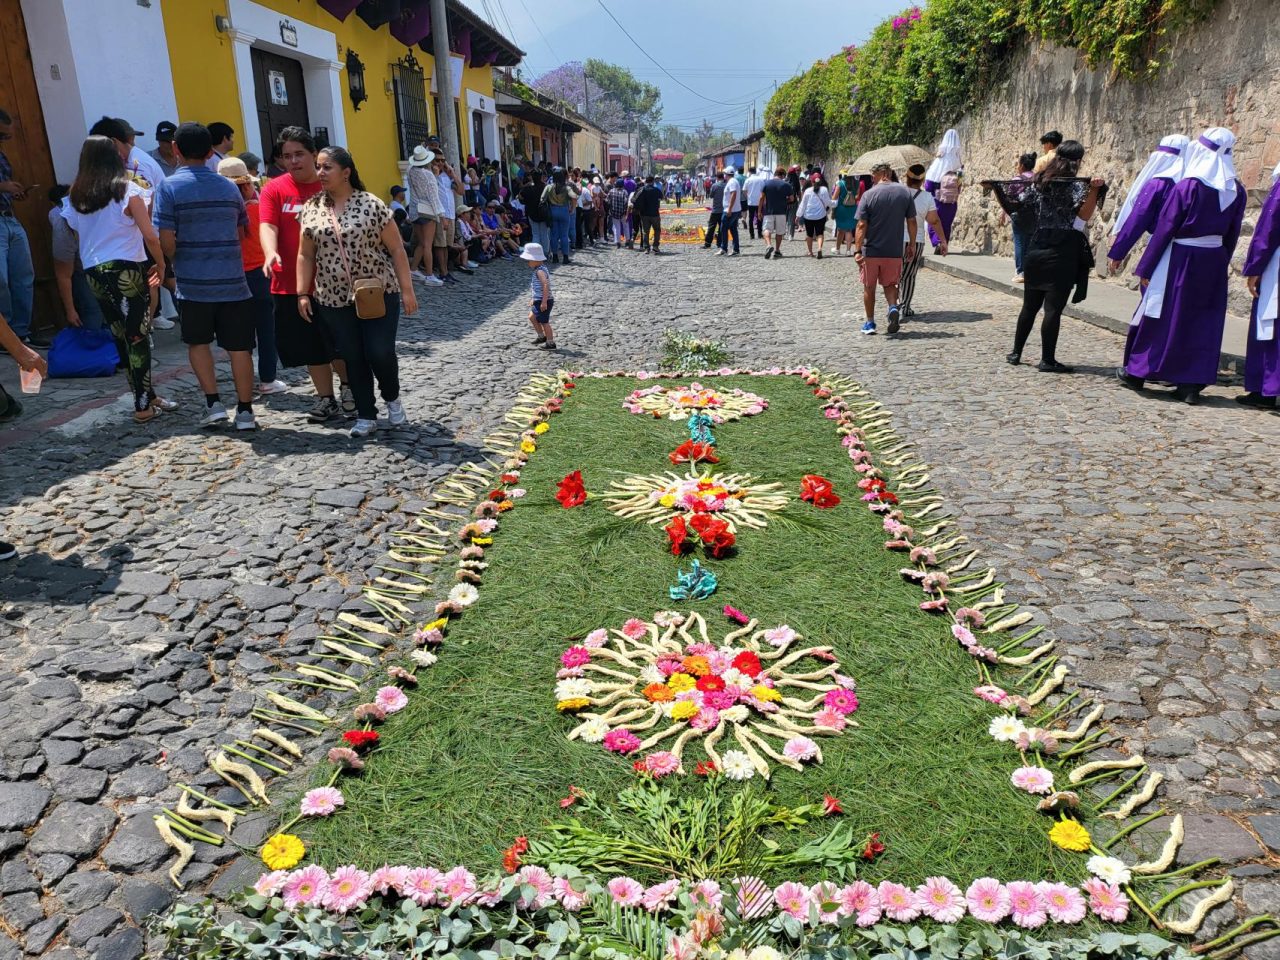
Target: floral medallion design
point(676, 403)
point(659, 685)
point(735, 498)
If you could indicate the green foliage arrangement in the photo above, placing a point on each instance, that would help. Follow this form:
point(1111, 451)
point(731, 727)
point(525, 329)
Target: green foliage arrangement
point(921, 70)
point(684, 352)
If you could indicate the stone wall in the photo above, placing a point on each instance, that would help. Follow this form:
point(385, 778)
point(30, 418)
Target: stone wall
point(1224, 72)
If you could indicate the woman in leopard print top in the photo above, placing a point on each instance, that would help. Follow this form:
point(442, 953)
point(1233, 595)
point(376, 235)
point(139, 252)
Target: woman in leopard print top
point(349, 234)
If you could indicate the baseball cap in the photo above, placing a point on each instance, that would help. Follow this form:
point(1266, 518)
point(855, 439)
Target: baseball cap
point(165, 130)
point(396, 189)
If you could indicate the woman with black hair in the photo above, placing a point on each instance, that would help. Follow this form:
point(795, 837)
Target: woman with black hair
point(348, 238)
point(1058, 256)
point(560, 198)
point(797, 191)
point(108, 213)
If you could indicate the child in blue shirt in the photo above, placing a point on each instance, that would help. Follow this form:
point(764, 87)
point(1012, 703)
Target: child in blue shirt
point(542, 301)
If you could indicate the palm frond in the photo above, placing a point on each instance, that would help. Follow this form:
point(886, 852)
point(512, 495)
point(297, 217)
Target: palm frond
point(632, 932)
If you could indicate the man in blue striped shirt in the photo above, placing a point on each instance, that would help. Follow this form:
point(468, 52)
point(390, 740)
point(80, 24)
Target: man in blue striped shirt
point(201, 218)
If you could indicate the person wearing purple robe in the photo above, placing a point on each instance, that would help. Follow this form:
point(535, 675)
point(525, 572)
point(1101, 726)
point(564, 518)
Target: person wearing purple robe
point(1262, 272)
point(1179, 323)
point(1140, 213)
point(947, 165)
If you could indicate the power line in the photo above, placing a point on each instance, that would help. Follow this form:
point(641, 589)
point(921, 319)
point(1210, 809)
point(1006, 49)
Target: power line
point(723, 103)
point(554, 56)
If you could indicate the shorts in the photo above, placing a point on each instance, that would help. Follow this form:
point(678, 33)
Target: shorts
point(300, 344)
point(814, 228)
point(231, 323)
point(540, 315)
point(885, 271)
point(775, 223)
point(444, 233)
point(424, 220)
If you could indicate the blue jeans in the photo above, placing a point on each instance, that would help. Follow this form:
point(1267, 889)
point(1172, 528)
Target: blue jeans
point(264, 322)
point(86, 303)
point(541, 235)
point(561, 218)
point(1021, 236)
point(728, 225)
point(17, 276)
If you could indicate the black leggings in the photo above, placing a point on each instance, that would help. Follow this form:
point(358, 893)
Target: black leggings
point(1053, 302)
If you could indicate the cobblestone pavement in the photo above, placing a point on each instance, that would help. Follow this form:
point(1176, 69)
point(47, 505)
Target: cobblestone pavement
point(166, 570)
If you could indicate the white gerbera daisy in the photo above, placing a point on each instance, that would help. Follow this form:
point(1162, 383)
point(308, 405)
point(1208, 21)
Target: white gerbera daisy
point(593, 730)
point(737, 765)
point(464, 595)
point(573, 687)
point(735, 714)
point(1110, 869)
point(668, 618)
point(736, 678)
point(1006, 728)
point(423, 658)
point(651, 674)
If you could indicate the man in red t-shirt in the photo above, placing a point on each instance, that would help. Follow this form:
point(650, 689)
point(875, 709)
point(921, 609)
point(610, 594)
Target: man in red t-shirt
point(299, 342)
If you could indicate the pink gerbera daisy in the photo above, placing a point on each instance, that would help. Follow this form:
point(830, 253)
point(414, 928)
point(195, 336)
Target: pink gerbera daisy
point(707, 893)
point(829, 719)
point(388, 879)
point(754, 898)
point(569, 898)
point(595, 639)
point(899, 902)
point(988, 900)
point(625, 891)
point(575, 657)
point(826, 897)
point(1065, 904)
point(1033, 779)
point(991, 694)
point(348, 889)
point(634, 629)
point(305, 887)
point(780, 636)
point(1026, 904)
point(941, 899)
point(963, 634)
point(321, 801)
point(542, 883)
point(841, 701)
point(421, 884)
point(621, 741)
point(860, 900)
point(391, 699)
point(800, 748)
point(458, 885)
point(793, 898)
point(660, 895)
point(1106, 900)
point(661, 764)
point(269, 884)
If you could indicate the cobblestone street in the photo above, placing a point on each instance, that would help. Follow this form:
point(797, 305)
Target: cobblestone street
point(164, 570)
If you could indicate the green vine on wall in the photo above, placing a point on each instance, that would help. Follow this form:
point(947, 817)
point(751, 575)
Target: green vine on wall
point(921, 70)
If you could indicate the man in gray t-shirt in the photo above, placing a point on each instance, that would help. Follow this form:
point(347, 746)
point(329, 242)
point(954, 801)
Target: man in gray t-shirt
point(878, 244)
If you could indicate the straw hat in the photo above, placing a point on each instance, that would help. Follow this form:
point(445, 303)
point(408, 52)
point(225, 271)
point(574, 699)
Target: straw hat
point(533, 251)
point(421, 157)
point(234, 169)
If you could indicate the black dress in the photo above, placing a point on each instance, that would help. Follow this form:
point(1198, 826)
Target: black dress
point(1057, 251)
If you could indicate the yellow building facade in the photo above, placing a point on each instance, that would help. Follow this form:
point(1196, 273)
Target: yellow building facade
point(358, 73)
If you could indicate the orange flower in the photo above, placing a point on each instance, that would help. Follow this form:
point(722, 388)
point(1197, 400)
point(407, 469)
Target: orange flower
point(698, 666)
point(658, 693)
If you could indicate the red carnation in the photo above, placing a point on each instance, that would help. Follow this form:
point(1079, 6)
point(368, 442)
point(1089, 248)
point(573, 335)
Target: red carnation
point(747, 662)
point(571, 492)
point(359, 739)
point(818, 491)
point(678, 534)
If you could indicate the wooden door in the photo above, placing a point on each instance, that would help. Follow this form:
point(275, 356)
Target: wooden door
point(28, 154)
point(280, 95)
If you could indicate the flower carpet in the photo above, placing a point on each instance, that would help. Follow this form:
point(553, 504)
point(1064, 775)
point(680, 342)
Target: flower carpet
point(820, 727)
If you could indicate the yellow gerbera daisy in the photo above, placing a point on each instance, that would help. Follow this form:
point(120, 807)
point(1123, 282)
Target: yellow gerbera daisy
point(680, 682)
point(542, 427)
point(683, 710)
point(761, 692)
point(282, 851)
point(528, 446)
point(1070, 835)
point(573, 703)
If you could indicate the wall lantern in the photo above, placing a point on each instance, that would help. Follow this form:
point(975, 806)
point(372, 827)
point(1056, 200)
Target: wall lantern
point(355, 80)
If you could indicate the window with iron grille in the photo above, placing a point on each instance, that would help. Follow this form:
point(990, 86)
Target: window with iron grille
point(412, 116)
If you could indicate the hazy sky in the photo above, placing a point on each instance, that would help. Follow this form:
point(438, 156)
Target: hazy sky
point(734, 53)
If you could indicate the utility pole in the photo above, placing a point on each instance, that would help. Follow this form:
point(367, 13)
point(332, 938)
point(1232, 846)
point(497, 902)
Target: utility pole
point(449, 136)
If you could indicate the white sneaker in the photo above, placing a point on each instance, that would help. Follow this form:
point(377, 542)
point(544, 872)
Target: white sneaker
point(275, 386)
point(245, 420)
point(473, 265)
point(363, 428)
point(1017, 278)
point(418, 275)
point(162, 323)
point(395, 413)
point(433, 281)
point(215, 416)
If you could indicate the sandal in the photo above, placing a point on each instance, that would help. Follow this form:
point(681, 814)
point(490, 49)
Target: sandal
point(147, 415)
point(163, 403)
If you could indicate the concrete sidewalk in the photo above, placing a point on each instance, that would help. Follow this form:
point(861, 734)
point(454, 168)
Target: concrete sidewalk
point(1110, 304)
